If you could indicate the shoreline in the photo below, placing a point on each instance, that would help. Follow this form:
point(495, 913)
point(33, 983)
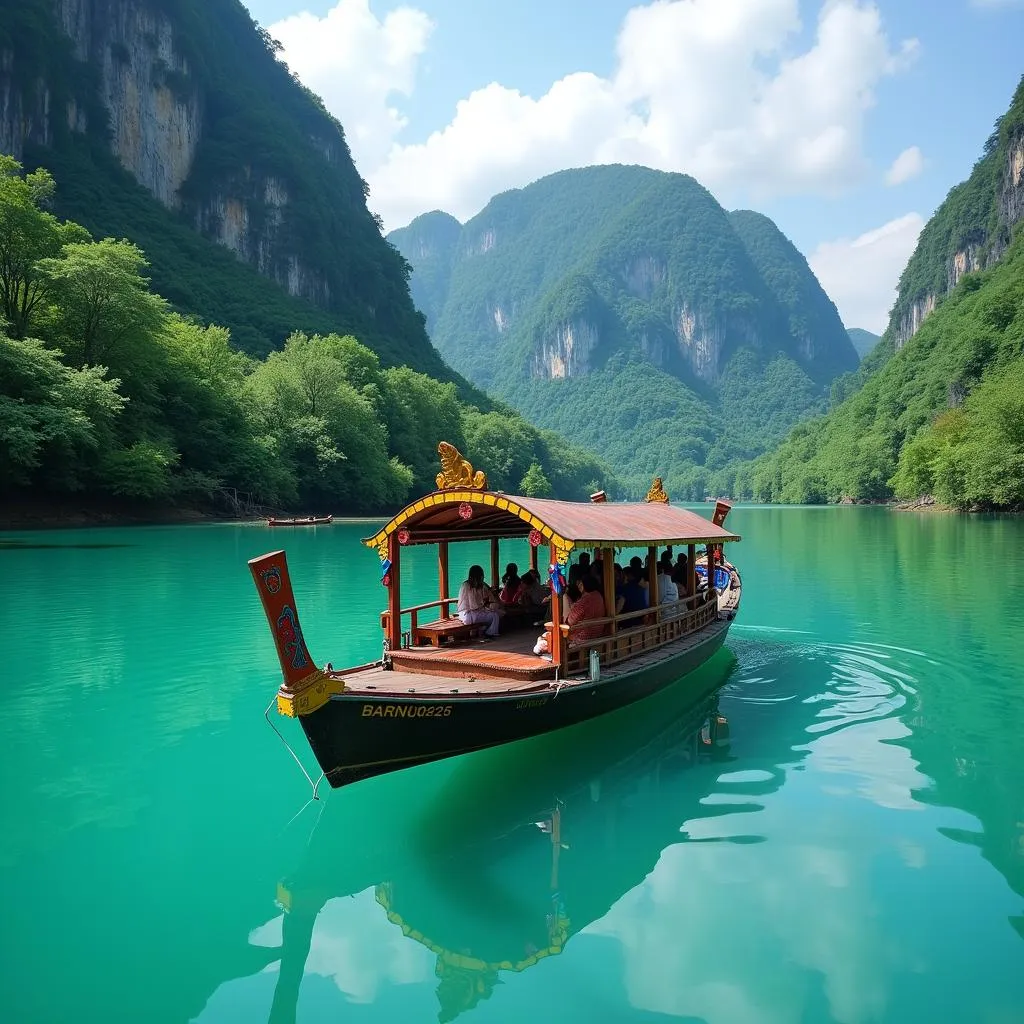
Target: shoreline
point(17, 516)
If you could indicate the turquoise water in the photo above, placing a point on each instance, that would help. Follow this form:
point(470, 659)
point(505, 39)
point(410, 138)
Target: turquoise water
point(854, 853)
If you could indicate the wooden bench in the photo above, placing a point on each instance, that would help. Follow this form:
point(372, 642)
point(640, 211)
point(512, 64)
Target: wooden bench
point(445, 630)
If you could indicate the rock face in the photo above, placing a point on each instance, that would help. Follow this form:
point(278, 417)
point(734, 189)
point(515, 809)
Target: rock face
point(970, 231)
point(549, 281)
point(567, 353)
point(133, 64)
point(147, 89)
point(701, 341)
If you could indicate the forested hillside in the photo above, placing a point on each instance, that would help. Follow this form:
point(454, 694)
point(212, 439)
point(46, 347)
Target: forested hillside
point(624, 307)
point(939, 412)
point(173, 123)
point(106, 391)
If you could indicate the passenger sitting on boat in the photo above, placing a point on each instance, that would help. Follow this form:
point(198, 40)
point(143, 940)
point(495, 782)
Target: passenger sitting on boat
point(511, 584)
point(631, 597)
point(478, 603)
point(589, 606)
point(668, 592)
point(533, 593)
point(572, 590)
point(681, 574)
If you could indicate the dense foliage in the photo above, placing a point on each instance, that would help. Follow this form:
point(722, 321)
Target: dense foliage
point(811, 316)
point(104, 389)
point(628, 256)
point(944, 416)
point(941, 415)
point(258, 124)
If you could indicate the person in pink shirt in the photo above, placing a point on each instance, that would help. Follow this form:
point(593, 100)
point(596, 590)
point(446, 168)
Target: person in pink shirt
point(590, 605)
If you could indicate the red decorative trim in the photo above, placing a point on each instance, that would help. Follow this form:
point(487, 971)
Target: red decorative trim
point(403, 536)
point(465, 510)
point(536, 538)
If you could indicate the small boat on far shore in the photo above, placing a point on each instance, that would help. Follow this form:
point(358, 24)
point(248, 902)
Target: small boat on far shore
point(308, 521)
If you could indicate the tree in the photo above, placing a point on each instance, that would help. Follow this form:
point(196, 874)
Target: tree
point(51, 416)
point(535, 484)
point(104, 298)
point(420, 412)
point(28, 234)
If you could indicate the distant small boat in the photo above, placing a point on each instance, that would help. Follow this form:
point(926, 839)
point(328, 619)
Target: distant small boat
point(308, 521)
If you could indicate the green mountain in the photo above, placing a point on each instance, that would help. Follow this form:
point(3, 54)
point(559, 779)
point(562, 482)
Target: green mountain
point(938, 406)
point(171, 122)
point(863, 341)
point(572, 297)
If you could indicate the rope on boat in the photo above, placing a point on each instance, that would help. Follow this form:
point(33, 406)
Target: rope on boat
point(287, 746)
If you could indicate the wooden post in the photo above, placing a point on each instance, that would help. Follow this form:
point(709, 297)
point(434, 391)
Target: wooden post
point(691, 570)
point(533, 558)
point(608, 562)
point(395, 594)
point(652, 579)
point(442, 574)
point(495, 570)
point(557, 647)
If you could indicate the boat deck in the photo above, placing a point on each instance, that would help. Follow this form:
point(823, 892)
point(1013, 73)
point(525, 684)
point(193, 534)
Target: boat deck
point(506, 664)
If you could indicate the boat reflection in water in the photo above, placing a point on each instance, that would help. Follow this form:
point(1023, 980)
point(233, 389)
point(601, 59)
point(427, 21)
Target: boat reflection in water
point(515, 860)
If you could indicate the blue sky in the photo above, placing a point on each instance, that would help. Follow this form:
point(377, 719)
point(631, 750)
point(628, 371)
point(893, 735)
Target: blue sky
point(797, 108)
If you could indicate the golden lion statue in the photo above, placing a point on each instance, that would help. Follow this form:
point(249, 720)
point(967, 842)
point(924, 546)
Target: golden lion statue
point(456, 471)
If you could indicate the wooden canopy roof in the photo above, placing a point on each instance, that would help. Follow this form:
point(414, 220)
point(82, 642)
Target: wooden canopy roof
point(442, 516)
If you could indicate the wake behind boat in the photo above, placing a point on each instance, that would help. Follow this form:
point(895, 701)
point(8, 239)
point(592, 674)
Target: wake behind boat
point(437, 693)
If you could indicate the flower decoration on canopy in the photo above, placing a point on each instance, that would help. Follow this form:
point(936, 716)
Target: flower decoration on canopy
point(465, 510)
point(536, 538)
point(403, 536)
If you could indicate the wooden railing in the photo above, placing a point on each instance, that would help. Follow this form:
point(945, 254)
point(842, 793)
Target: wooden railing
point(663, 624)
point(413, 612)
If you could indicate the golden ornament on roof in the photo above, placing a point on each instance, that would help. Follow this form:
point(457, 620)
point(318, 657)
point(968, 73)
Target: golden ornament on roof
point(657, 492)
point(456, 471)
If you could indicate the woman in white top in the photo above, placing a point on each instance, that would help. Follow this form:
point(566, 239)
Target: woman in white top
point(477, 602)
point(668, 592)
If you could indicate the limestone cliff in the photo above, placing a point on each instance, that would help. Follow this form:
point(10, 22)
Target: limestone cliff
point(548, 281)
point(567, 353)
point(189, 97)
point(970, 231)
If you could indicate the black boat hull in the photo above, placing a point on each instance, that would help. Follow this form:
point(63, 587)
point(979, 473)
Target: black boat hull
point(356, 736)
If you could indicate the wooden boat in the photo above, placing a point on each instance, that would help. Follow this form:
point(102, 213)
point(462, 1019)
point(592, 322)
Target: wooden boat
point(422, 703)
point(308, 521)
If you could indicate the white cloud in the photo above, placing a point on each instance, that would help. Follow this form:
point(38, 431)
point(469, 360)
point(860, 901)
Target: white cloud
point(710, 87)
point(356, 63)
point(909, 164)
point(860, 275)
